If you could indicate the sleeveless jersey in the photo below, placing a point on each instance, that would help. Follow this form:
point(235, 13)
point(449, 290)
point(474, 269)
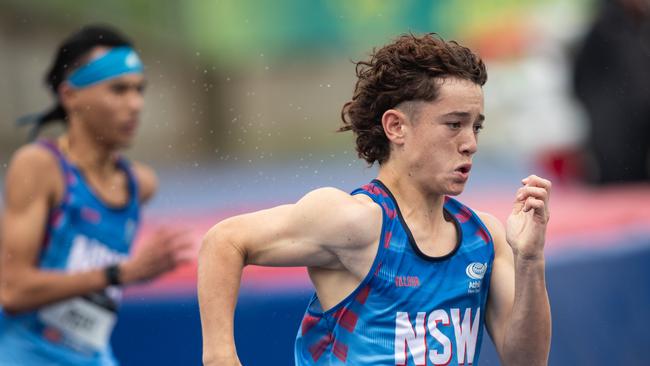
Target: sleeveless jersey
point(82, 234)
point(411, 309)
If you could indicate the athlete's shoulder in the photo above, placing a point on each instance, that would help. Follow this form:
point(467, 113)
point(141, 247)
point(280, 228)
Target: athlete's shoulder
point(146, 178)
point(342, 203)
point(34, 160)
point(493, 224)
point(34, 155)
point(329, 195)
point(356, 216)
point(496, 229)
point(34, 170)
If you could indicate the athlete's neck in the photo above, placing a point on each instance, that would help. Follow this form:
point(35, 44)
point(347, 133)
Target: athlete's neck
point(88, 154)
point(415, 202)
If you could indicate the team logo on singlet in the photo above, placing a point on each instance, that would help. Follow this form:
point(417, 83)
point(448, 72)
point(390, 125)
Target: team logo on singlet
point(475, 271)
point(90, 215)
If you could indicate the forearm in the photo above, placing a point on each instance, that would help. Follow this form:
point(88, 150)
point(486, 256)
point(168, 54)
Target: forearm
point(219, 276)
point(33, 288)
point(528, 333)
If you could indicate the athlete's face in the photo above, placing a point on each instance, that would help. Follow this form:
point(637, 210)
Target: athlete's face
point(440, 137)
point(109, 110)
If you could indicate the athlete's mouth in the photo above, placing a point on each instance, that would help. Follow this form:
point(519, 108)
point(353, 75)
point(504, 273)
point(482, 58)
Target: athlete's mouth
point(465, 168)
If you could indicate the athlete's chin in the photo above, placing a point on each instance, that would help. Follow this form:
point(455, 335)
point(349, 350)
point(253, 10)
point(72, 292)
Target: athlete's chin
point(455, 189)
point(117, 145)
point(454, 193)
point(124, 142)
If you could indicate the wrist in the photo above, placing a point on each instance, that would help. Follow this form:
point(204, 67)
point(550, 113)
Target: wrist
point(529, 259)
point(528, 256)
point(112, 273)
point(126, 272)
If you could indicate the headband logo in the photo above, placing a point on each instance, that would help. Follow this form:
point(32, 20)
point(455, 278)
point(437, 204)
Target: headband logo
point(132, 60)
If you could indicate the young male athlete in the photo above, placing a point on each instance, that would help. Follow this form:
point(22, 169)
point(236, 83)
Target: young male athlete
point(72, 207)
point(404, 274)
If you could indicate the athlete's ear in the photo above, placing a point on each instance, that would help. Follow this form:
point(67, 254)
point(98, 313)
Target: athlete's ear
point(67, 96)
point(393, 121)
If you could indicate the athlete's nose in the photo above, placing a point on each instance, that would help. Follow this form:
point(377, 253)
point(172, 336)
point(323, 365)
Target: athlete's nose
point(135, 101)
point(469, 143)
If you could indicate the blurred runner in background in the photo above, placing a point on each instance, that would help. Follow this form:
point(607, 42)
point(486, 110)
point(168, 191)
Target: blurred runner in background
point(73, 208)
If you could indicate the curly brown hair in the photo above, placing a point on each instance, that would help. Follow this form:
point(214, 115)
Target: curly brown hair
point(405, 70)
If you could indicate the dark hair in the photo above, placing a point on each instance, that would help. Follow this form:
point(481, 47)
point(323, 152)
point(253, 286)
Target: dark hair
point(71, 55)
point(404, 70)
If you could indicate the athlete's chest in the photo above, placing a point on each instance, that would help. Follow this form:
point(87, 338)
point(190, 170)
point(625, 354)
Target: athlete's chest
point(110, 189)
point(413, 284)
point(407, 276)
point(434, 243)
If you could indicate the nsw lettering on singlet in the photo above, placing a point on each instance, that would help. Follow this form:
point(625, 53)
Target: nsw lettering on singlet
point(424, 340)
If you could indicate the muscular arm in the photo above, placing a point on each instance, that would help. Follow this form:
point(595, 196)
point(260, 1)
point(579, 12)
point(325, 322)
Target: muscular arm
point(316, 231)
point(518, 311)
point(31, 188)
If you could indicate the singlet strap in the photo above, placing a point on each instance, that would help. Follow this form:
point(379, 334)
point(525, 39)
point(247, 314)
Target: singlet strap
point(51, 147)
point(66, 169)
point(134, 191)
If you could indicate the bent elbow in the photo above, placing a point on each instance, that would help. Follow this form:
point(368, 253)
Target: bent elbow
point(11, 300)
point(210, 241)
point(219, 240)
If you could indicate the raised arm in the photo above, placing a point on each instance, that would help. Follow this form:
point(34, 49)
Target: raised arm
point(317, 231)
point(518, 311)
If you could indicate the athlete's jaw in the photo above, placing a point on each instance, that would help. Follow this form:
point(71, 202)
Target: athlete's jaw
point(124, 131)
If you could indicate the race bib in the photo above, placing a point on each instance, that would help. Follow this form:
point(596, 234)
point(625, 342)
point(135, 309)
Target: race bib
point(81, 320)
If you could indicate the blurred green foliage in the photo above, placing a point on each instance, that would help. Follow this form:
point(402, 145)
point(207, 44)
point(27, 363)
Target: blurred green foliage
point(231, 31)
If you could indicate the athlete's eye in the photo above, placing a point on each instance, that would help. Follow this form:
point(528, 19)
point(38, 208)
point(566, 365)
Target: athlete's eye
point(454, 125)
point(119, 88)
point(478, 128)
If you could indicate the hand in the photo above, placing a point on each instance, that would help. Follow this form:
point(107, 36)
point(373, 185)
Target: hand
point(167, 248)
point(526, 225)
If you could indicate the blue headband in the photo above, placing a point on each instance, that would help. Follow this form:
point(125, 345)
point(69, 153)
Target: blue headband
point(114, 63)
